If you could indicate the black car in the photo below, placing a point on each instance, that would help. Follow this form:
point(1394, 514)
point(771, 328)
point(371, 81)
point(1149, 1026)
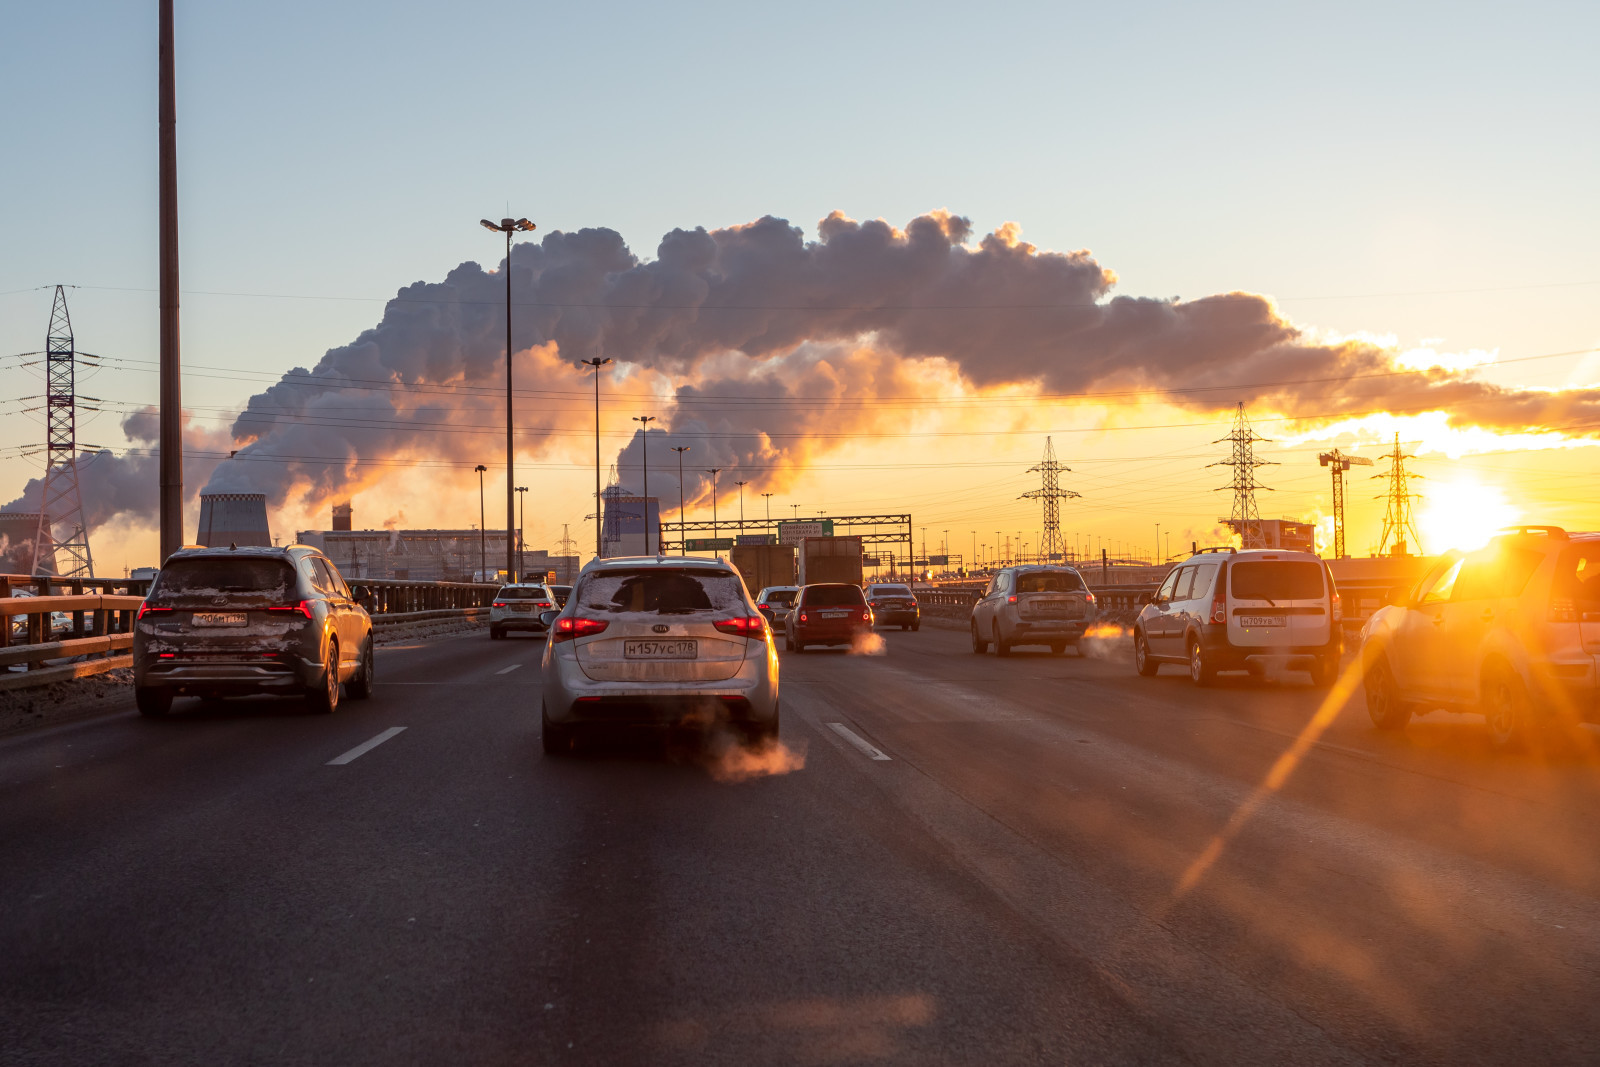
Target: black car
point(894, 605)
point(232, 621)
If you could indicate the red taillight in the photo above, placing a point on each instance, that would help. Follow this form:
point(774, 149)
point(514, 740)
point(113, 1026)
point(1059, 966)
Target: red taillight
point(1012, 599)
point(913, 602)
point(304, 608)
point(1219, 608)
point(872, 603)
point(866, 616)
point(499, 604)
point(1338, 608)
point(1090, 597)
point(543, 604)
point(145, 609)
point(802, 616)
point(568, 628)
point(751, 626)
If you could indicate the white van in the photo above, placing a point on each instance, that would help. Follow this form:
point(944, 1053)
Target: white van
point(1234, 610)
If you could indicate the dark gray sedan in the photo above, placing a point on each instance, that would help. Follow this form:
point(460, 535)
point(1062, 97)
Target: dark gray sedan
point(232, 621)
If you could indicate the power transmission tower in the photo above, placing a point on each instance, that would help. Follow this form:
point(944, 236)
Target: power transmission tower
point(567, 545)
point(1397, 518)
point(1246, 518)
point(61, 504)
point(1052, 495)
point(1339, 462)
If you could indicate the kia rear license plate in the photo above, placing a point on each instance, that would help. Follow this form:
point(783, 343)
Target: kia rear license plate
point(833, 614)
point(524, 608)
point(660, 650)
point(218, 618)
point(1262, 620)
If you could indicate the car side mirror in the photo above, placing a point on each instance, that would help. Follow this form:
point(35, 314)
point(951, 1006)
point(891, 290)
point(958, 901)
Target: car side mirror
point(548, 618)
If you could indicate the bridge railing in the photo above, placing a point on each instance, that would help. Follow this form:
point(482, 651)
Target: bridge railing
point(396, 597)
point(101, 625)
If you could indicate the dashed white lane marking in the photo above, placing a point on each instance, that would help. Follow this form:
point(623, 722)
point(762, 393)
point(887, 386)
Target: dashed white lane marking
point(856, 741)
point(509, 669)
point(366, 746)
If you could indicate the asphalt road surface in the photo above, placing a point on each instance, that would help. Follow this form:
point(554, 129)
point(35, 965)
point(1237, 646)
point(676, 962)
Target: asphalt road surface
point(1032, 860)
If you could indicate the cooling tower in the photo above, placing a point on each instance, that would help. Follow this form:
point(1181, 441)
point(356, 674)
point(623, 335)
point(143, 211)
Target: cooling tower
point(342, 515)
point(17, 531)
point(233, 518)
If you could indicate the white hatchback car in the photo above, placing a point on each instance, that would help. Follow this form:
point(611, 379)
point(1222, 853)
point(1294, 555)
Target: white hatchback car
point(1234, 610)
point(658, 641)
point(519, 607)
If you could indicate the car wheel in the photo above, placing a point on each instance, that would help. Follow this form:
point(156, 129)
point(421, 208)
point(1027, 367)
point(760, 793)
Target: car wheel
point(1201, 670)
point(916, 626)
point(360, 687)
point(495, 633)
point(1324, 670)
point(324, 698)
point(555, 740)
point(1143, 661)
point(1058, 648)
point(153, 703)
point(904, 627)
point(1000, 647)
point(1506, 709)
point(979, 645)
point(799, 646)
point(788, 645)
point(1384, 706)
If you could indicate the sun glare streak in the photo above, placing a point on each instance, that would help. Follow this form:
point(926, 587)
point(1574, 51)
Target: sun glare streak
point(1338, 695)
point(1463, 514)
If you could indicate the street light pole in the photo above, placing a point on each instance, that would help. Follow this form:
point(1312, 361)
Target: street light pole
point(599, 512)
point(171, 423)
point(714, 471)
point(522, 513)
point(769, 507)
point(508, 227)
point(683, 545)
point(483, 533)
point(644, 422)
point(741, 486)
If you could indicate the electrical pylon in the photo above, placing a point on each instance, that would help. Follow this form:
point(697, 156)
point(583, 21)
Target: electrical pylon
point(1052, 495)
point(61, 503)
point(1246, 518)
point(1397, 518)
point(1339, 462)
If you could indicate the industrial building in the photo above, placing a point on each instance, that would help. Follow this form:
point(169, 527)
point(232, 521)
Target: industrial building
point(17, 532)
point(233, 519)
point(632, 524)
point(426, 555)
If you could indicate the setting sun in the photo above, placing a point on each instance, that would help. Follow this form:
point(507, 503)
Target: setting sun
point(1463, 514)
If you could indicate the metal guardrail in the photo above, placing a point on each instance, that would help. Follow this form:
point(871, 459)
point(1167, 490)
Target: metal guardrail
point(50, 585)
point(110, 618)
point(392, 596)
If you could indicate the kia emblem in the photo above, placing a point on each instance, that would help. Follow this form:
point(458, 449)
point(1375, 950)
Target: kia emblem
point(660, 627)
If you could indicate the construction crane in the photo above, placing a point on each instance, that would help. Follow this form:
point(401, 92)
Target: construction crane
point(1339, 462)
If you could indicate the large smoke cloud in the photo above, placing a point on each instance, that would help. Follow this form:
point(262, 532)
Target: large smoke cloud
point(760, 310)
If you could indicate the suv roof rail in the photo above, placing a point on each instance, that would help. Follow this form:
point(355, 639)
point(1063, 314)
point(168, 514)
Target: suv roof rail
point(1555, 533)
point(1216, 548)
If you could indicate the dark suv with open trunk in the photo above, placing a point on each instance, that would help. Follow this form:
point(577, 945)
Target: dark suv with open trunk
point(232, 621)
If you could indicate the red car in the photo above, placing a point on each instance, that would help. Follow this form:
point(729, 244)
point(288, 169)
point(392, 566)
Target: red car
point(827, 615)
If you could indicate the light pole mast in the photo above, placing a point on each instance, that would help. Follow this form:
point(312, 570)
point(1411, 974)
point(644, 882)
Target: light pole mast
point(522, 513)
point(599, 511)
point(508, 227)
point(714, 471)
point(644, 422)
point(683, 545)
point(483, 531)
point(741, 486)
point(171, 430)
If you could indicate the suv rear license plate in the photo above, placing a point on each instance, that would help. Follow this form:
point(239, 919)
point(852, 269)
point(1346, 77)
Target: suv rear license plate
point(1262, 620)
point(660, 650)
point(833, 614)
point(218, 618)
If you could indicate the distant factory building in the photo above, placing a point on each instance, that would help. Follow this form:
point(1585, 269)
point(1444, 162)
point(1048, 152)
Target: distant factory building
point(17, 531)
point(425, 555)
point(632, 524)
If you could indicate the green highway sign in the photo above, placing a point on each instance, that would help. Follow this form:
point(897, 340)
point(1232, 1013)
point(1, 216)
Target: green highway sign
point(708, 544)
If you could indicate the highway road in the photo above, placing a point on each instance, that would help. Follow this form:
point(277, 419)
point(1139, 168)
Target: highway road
point(1032, 860)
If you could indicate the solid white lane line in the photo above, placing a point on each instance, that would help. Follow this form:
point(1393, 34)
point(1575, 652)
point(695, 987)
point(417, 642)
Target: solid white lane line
point(856, 741)
point(364, 747)
point(509, 669)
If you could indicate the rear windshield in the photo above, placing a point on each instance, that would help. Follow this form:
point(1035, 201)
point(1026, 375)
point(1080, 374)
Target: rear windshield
point(822, 596)
point(891, 590)
point(782, 596)
point(658, 591)
point(1288, 579)
point(521, 592)
point(213, 577)
point(1049, 582)
point(1502, 571)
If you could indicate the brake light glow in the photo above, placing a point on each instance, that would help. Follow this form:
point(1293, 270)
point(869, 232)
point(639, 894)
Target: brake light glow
point(1012, 599)
point(499, 603)
point(751, 626)
point(913, 601)
point(802, 616)
point(1219, 608)
point(1090, 596)
point(144, 609)
point(304, 608)
point(1338, 608)
point(866, 616)
point(568, 628)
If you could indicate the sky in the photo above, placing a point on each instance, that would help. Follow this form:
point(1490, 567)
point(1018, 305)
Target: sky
point(1418, 176)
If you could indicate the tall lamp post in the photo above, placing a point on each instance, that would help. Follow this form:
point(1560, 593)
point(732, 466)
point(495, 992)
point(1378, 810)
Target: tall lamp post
point(508, 227)
point(599, 512)
point(714, 471)
point(741, 486)
point(683, 545)
point(644, 422)
point(769, 507)
point(483, 533)
point(522, 513)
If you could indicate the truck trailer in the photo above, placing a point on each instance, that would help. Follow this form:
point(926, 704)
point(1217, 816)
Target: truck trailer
point(763, 565)
point(830, 559)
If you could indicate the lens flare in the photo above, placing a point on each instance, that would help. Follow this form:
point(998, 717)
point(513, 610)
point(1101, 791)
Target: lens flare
point(1463, 515)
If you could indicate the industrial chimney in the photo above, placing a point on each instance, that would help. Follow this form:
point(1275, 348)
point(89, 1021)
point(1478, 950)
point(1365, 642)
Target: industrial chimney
point(233, 518)
point(342, 516)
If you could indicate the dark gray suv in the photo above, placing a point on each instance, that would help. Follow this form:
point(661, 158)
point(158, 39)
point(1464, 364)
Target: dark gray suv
point(232, 621)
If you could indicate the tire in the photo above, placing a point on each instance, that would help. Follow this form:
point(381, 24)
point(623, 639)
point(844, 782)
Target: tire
point(904, 627)
point(799, 646)
point(324, 698)
point(1202, 671)
point(788, 645)
point(555, 740)
point(1324, 671)
point(1384, 704)
point(1075, 647)
point(1058, 648)
point(360, 687)
point(496, 634)
point(1143, 661)
point(916, 626)
point(1000, 647)
point(152, 702)
point(1507, 711)
point(979, 645)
